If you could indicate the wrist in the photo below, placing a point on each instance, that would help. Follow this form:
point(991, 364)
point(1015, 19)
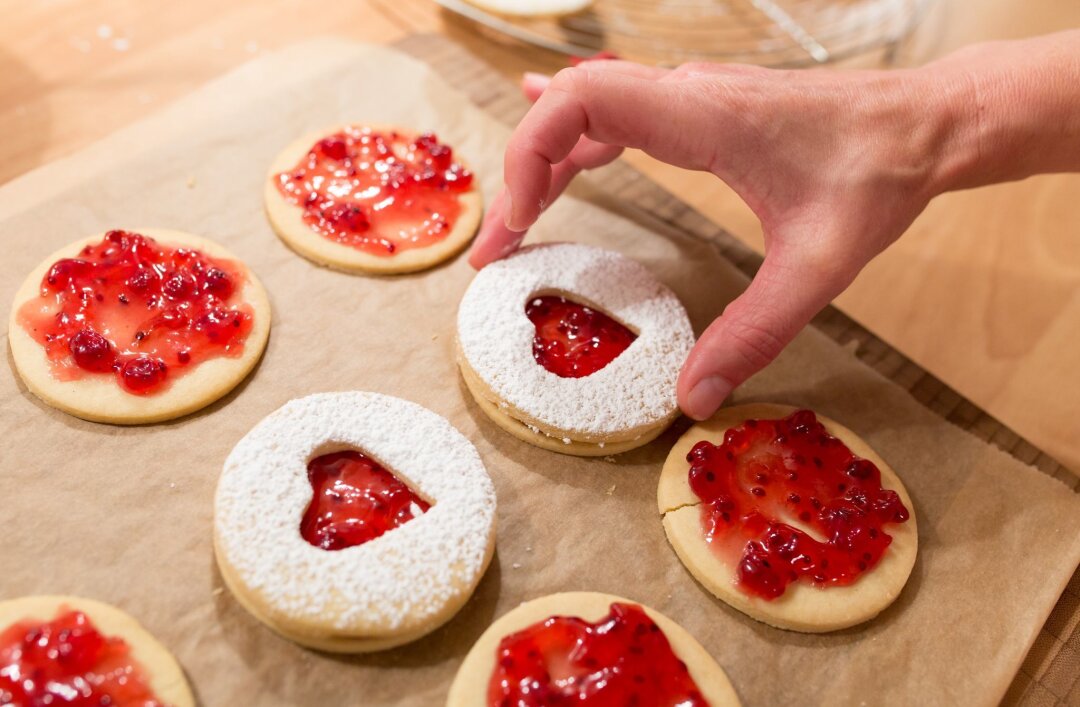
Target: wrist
point(1004, 111)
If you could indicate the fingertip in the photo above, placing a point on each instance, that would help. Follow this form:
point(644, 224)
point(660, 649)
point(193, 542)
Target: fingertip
point(533, 84)
point(705, 397)
point(476, 260)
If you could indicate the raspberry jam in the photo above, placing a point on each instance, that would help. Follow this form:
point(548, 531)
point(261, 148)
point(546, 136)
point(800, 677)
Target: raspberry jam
point(572, 340)
point(622, 659)
point(66, 661)
point(355, 500)
point(139, 310)
point(766, 471)
point(378, 192)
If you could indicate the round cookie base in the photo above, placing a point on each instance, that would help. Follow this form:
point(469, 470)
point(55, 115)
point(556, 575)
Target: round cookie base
point(99, 398)
point(539, 438)
point(162, 671)
point(345, 644)
point(288, 223)
point(471, 682)
point(803, 607)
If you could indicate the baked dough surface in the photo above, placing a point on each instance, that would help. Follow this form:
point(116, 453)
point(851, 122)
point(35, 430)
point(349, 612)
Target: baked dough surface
point(802, 607)
point(100, 398)
point(160, 668)
point(544, 436)
point(287, 219)
point(469, 688)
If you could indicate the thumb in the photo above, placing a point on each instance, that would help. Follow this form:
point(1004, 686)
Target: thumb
point(786, 293)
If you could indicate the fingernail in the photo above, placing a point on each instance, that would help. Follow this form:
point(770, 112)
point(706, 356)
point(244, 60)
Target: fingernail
point(706, 397)
point(508, 213)
point(535, 82)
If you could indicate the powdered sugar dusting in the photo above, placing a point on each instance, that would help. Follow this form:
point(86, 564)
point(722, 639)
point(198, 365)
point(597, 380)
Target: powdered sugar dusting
point(637, 389)
point(394, 583)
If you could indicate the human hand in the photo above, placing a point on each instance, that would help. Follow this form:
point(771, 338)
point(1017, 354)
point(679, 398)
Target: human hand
point(831, 167)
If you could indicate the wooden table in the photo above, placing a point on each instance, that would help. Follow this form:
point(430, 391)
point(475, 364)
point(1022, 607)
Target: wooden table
point(982, 291)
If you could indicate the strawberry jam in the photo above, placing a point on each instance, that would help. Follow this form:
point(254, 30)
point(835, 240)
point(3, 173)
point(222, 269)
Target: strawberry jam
point(66, 661)
point(354, 500)
point(572, 340)
point(622, 659)
point(766, 472)
point(138, 310)
point(378, 192)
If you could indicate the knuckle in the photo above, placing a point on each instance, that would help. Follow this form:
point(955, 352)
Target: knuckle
point(755, 343)
point(569, 80)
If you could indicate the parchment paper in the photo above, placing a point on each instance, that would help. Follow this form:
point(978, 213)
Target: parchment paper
point(124, 514)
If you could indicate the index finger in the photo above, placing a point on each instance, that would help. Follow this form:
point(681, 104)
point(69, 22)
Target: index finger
point(607, 106)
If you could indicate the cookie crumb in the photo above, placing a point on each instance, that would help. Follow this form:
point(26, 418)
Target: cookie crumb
point(191, 182)
point(611, 490)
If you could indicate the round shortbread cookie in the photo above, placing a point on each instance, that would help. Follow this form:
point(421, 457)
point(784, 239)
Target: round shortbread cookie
point(470, 686)
point(99, 397)
point(288, 222)
point(384, 592)
point(533, 8)
point(539, 438)
point(802, 606)
point(163, 674)
point(625, 404)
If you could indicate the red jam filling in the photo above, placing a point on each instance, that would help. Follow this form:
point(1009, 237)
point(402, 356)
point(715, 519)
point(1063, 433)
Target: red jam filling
point(622, 659)
point(66, 661)
point(354, 500)
point(378, 192)
point(572, 340)
point(769, 471)
point(139, 310)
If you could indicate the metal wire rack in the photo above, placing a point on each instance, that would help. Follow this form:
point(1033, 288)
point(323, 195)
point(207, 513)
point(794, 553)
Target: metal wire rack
point(669, 32)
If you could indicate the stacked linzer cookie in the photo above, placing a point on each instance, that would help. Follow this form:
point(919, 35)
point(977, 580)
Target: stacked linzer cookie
point(356, 521)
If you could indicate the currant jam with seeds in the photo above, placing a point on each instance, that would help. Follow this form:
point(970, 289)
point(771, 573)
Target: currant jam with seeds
point(572, 340)
point(355, 500)
point(622, 659)
point(67, 661)
point(137, 309)
point(380, 192)
point(768, 471)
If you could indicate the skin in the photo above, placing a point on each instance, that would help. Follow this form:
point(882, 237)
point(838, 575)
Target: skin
point(835, 164)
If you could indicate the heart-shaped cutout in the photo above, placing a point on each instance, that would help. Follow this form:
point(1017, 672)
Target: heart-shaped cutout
point(573, 340)
point(355, 500)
